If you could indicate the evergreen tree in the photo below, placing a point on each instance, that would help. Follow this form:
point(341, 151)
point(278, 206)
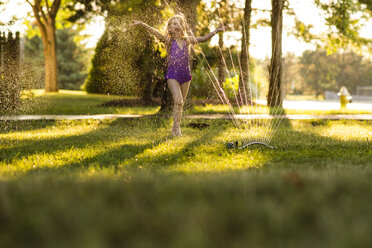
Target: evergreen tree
point(70, 58)
point(45, 13)
point(127, 60)
point(33, 63)
point(71, 61)
point(95, 82)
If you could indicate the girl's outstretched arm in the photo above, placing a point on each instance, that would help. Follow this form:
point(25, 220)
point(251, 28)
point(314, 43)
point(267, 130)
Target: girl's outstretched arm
point(151, 30)
point(195, 40)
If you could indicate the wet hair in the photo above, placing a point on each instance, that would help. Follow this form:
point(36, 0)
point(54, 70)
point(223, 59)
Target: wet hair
point(181, 20)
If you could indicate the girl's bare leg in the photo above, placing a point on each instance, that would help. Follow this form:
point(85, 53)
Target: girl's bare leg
point(177, 94)
point(185, 89)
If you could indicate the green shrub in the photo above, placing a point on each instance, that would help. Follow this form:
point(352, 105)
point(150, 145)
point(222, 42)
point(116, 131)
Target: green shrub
point(10, 86)
point(201, 86)
point(127, 60)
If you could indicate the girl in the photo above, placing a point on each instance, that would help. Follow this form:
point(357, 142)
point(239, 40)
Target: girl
point(178, 75)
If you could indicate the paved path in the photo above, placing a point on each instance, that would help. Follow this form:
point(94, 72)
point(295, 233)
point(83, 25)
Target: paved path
point(208, 116)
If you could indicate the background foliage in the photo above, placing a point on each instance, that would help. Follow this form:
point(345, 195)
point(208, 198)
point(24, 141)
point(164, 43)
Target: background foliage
point(72, 60)
point(321, 72)
point(126, 59)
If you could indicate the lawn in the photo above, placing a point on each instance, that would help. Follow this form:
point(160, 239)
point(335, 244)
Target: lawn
point(127, 183)
point(68, 102)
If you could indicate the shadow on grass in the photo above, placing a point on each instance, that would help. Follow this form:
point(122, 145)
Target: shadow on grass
point(293, 146)
point(100, 135)
point(112, 158)
point(22, 126)
point(187, 152)
point(226, 210)
point(279, 116)
point(268, 127)
point(308, 149)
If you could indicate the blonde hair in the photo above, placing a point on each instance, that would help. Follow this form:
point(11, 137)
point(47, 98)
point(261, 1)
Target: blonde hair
point(181, 20)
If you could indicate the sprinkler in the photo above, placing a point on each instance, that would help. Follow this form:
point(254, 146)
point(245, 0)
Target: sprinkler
point(235, 144)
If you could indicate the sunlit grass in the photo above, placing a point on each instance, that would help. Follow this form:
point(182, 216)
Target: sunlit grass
point(41, 92)
point(261, 109)
point(140, 144)
point(70, 102)
point(94, 183)
point(128, 183)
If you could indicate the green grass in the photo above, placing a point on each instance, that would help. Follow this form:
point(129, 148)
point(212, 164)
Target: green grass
point(262, 109)
point(68, 102)
point(126, 183)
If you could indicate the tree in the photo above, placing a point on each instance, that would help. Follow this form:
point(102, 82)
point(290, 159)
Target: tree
point(292, 79)
point(275, 94)
point(70, 59)
point(214, 14)
point(126, 60)
point(45, 14)
point(331, 72)
point(320, 71)
point(244, 56)
point(344, 17)
point(33, 63)
point(229, 13)
point(10, 86)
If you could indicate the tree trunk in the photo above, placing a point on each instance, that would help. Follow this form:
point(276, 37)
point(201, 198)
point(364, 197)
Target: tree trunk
point(244, 56)
point(221, 64)
point(45, 19)
point(275, 94)
point(50, 54)
point(166, 98)
point(146, 94)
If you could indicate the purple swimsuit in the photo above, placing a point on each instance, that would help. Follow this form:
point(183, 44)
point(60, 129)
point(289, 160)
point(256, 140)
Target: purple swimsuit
point(178, 63)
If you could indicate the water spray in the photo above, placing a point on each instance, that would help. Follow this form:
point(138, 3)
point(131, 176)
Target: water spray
point(235, 145)
point(2, 42)
point(247, 140)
